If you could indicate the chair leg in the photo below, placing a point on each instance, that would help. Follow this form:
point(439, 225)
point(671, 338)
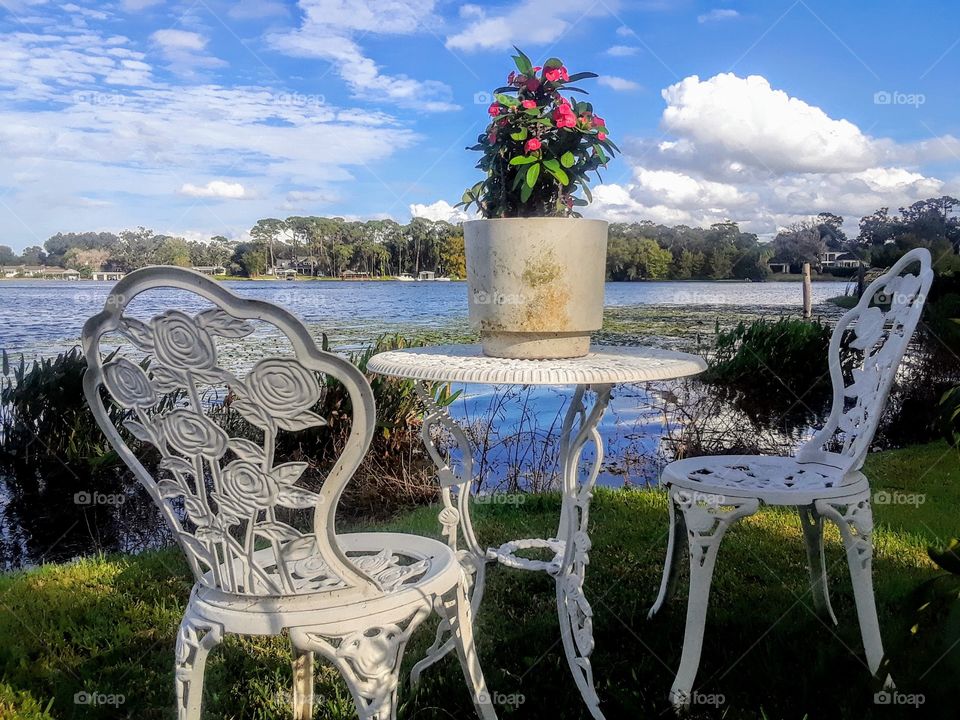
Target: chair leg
point(671, 566)
point(454, 609)
point(812, 524)
point(195, 639)
point(303, 684)
point(854, 517)
point(706, 520)
point(368, 659)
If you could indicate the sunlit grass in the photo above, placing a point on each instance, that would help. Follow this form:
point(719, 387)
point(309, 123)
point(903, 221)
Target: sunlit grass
point(107, 625)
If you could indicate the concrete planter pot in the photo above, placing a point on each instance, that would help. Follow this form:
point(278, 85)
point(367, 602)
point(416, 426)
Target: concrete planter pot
point(535, 285)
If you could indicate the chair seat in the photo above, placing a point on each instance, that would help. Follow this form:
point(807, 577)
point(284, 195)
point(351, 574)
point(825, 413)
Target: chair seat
point(774, 480)
point(408, 568)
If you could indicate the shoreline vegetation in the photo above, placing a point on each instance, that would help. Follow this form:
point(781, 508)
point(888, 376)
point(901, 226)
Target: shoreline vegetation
point(331, 247)
point(778, 277)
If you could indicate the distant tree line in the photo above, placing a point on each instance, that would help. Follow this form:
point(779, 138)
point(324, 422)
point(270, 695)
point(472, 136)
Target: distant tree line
point(642, 250)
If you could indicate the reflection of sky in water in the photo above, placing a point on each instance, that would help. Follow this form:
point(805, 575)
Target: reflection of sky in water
point(525, 424)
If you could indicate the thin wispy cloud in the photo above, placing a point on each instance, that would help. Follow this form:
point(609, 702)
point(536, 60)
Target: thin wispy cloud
point(618, 83)
point(622, 50)
point(717, 15)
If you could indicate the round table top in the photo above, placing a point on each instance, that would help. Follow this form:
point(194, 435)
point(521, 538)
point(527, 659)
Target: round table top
point(605, 365)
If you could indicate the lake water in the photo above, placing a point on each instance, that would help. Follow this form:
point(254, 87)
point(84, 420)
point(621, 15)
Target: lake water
point(42, 318)
point(46, 317)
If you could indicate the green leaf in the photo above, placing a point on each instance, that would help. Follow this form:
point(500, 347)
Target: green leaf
point(506, 100)
point(522, 160)
point(517, 179)
point(522, 62)
point(567, 159)
point(582, 76)
point(580, 202)
point(521, 135)
point(525, 193)
point(533, 172)
point(586, 191)
point(557, 172)
point(553, 63)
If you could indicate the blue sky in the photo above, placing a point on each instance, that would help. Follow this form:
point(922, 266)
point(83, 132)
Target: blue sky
point(199, 117)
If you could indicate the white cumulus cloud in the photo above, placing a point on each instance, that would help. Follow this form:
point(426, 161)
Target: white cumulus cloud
point(739, 149)
point(440, 210)
point(215, 189)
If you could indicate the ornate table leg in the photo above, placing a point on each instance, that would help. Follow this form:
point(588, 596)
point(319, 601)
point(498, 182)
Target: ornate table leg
point(576, 615)
point(454, 517)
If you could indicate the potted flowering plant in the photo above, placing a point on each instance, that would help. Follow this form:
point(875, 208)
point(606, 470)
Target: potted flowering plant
point(535, 270)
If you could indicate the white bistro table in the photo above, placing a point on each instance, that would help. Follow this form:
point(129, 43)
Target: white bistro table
point(594, 374)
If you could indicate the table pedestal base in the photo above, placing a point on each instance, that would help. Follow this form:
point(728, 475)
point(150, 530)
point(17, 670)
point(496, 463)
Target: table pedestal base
point(570, 547)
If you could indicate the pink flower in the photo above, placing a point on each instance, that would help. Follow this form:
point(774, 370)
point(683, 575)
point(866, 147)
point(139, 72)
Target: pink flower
point(563, 116)
point(601, 136)
point(533, 84)
point(492, 138)
point(537, 69)
point(598, 121)
point(502, 122)
point(494, 109)
point(529, 104)
point(532, 145)
point(554, 74)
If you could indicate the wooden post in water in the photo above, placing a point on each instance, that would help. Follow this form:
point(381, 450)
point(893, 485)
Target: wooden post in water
point(860, 280)
point(807, 292)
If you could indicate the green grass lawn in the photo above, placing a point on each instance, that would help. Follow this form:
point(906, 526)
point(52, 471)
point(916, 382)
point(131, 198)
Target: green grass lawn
point(107, 625)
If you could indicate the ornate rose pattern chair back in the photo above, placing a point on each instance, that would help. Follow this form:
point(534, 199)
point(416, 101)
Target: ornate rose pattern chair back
point(223, 493)
point(876, 333)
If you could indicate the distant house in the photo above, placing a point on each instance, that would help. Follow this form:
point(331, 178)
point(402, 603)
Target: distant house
point(354, 275)
point(58, 274)
point(427, 275)
point(778, 268)
point(285, 273)
point(834, 259)
point(29, 271)
point(9, 272)
point(211, 269)
point(107, 276)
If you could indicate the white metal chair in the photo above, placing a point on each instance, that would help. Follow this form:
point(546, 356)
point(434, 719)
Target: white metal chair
point(708, 494)
point(353, 598)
